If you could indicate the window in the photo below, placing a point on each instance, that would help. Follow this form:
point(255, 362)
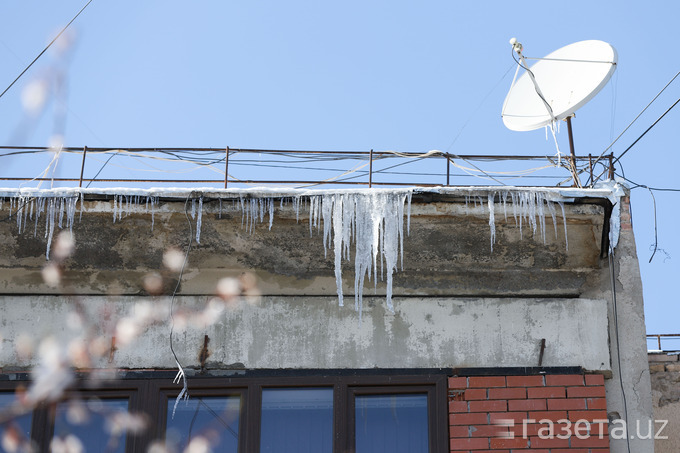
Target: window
point(215, 418)
point(307, 413)
point(391, 423)
point(16, 428)
point(298, 420)
point(91, 421)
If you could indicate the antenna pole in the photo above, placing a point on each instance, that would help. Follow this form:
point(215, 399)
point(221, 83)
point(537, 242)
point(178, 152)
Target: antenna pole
point(577, 182)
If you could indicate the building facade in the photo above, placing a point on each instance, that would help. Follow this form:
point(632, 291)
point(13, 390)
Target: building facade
point(443, 320)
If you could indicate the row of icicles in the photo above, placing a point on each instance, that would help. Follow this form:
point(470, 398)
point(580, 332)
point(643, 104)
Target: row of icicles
point(372, 221)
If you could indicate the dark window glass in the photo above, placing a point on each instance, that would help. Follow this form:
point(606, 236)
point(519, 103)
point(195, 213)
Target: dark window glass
point(92, 422)
point(391, 423)
point(215, 419)
point(20, 426)
point(297, 420)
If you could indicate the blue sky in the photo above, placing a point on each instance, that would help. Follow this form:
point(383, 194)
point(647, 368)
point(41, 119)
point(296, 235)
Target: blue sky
point(350, 75)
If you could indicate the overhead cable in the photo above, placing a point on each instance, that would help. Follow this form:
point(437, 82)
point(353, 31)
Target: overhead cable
point(45, 49)
point(645, 132)
point(638, 116)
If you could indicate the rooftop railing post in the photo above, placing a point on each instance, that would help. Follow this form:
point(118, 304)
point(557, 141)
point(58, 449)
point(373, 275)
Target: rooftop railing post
point(226, 169)
point(659, 338)
point(590, 168)
point(82, 167)
point(448, 168)
point(370, 170)
point(611, 166)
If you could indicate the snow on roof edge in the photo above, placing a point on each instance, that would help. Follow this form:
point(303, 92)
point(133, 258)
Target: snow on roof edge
point(611, 190)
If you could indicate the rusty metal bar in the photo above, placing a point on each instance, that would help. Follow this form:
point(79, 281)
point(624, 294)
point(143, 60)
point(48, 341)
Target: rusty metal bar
point(370, 170)
point(590, 167)
point(611, 166)
point(226, 169)
point(574, 173)
point(82, 167)
point(271, 151)
point(658, 337)
point(221, 181)
point(448, 168)
point(244, 181)
point(542, 351)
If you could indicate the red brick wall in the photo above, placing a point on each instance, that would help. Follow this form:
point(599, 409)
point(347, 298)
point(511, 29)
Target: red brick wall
point(477, 404)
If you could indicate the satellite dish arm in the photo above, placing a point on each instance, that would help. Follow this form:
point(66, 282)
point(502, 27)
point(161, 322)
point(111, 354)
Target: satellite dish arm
point(517, 47)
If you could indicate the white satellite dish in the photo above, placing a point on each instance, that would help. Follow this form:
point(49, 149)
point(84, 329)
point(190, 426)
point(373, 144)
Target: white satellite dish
point(567, 79)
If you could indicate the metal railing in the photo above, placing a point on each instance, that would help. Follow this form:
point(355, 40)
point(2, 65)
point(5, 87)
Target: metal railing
point(367, 168)
point(665, 336)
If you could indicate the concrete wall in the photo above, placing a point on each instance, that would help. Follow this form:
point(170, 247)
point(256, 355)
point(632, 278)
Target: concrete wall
point(665, 373)
point(313, 332)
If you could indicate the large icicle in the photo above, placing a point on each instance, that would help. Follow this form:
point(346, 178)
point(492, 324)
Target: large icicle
point(527, 205)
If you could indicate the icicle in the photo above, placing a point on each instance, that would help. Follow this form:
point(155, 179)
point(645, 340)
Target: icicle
point(20, 218)
point(82, 206)
point(151, 201)
point(492, 219)
point(327, 213)
point(504, 197)
point(540, 200)
point(296, 205)
point(337, 202)
point(242, 210)
point(39, 209)
point(71, 212)
point(193, 208)
point(49, 230)
point(61, 211)
point(270, 205)
point(199, 220)
point(564, 217)
point(313, 206)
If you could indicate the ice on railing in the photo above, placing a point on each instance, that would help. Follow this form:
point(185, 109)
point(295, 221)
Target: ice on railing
point(365, 224)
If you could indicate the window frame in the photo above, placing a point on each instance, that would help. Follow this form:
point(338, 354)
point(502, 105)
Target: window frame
point(149, 392)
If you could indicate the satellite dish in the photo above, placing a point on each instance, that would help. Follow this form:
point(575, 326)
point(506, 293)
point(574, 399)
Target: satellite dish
point(567, 79)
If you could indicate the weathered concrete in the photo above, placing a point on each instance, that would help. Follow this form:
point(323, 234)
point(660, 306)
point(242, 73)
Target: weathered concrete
point(665, 379)
point(448, 253)
point(627, 336)
point(314, 332)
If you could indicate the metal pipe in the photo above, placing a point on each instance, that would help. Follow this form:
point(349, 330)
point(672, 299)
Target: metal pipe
point(574, 174)
point(370, 170)
point(82, 167)
point(226, 169)
point(448, 168)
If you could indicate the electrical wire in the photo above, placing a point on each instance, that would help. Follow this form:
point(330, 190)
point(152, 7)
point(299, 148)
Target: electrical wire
point(184, 394)
point(45, 49)
point(645, 132)
point(533, 77)
point(474, 112)
point(101, 168)
point(612, 279)
point(638, 116)
point(656, 237)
